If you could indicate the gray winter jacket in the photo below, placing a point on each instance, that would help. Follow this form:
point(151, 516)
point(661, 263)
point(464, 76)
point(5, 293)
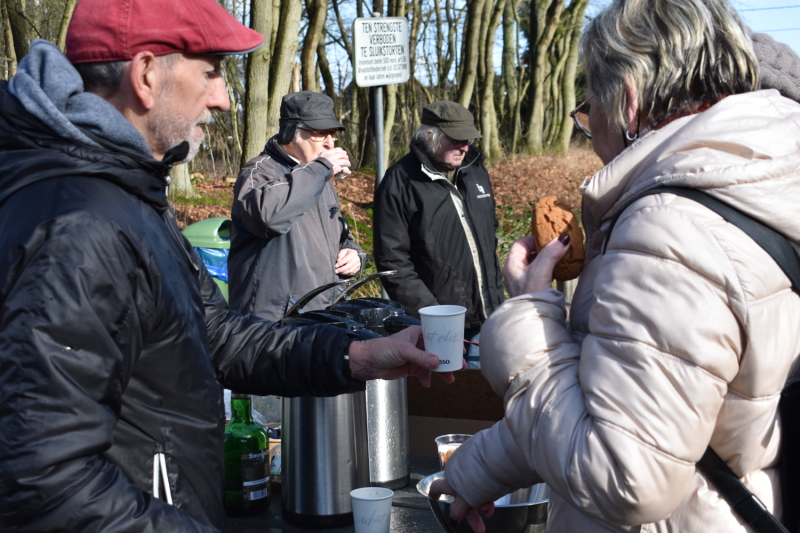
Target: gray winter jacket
point(286, 233)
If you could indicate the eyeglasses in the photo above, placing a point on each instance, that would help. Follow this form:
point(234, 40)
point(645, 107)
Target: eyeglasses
point(319, 136)
point(470, 142)
point(581, 118)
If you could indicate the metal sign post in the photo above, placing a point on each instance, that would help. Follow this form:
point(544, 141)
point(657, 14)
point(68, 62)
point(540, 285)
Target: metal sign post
point(380, 168)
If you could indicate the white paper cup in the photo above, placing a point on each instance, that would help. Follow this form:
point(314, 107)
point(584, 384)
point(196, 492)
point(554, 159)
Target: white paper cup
point(372, 509)
point(443, 331)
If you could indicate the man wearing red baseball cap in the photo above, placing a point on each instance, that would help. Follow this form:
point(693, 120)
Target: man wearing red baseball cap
point(114, 340)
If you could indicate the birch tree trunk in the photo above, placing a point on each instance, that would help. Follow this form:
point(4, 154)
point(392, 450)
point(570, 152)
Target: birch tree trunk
point(257, 80)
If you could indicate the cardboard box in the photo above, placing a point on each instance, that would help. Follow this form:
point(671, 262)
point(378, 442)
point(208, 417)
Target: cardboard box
point(468, 405)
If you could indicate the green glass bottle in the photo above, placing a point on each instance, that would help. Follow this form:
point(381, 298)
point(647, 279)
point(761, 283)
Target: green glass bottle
point(246, 461)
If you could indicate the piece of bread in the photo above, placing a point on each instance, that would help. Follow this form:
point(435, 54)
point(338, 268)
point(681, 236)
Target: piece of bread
point(549, 221)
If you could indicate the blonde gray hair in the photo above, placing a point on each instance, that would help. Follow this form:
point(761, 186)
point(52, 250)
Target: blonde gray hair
point(676, 53)
point(431, 141)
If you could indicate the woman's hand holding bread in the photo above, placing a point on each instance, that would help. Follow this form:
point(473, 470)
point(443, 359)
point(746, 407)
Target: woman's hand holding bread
point(554, 250)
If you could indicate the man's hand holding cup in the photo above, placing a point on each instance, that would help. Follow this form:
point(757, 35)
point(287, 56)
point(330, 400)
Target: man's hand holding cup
point(339, 159)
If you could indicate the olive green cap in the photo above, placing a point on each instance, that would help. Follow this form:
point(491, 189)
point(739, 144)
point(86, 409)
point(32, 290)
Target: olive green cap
point(453, 119)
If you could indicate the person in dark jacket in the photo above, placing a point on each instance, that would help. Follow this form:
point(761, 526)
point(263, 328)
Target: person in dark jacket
point(435, 222)
point(114, 339)
point(288, 234)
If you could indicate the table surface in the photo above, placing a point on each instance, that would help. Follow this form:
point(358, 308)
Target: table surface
point(410, 511)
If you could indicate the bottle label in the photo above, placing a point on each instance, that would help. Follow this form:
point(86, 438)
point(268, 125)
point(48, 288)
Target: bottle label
point(255, 475)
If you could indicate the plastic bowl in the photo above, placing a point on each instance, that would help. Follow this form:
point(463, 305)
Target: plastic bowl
point(522, 511)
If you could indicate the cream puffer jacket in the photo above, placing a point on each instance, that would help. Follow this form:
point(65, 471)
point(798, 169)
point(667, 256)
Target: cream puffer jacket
point(682, 334)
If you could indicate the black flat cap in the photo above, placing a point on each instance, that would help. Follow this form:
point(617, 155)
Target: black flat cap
point(453, 119)
point(313, 109)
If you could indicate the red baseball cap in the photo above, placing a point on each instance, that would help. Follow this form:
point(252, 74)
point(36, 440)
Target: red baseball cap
point(117, 30)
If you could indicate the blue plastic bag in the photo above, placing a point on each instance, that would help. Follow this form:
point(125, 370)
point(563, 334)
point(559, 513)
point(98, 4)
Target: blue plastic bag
point(216, 261)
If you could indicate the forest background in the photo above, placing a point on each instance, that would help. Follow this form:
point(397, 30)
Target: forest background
point(513, 63)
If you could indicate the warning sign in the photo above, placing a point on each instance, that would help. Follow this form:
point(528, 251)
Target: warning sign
point(381, 51)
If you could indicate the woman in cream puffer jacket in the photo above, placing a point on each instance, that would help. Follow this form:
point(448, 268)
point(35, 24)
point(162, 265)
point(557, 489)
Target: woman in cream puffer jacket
point(681, 335)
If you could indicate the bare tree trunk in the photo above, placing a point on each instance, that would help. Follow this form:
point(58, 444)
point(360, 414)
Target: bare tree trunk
point(283, 61)
point(545, 17)
point(296, 78)
point(491, 136)
point(413, 38)
point(441, 74)
point(554, 103)
point(255, 100)
point(69, 8)
point(180, 185)
point(276, 22)
point(317, 12)
point(327, 77)
point(21, 29)
point(355, 130)
point(451, 56)
point(396, 9)
point(8, 36)
point(235, 92)
point(348, 46)
point(509, 71)
point(470, 52)
point(578, 11)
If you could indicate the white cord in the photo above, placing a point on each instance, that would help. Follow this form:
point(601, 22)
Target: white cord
point(166, 480)
point(155, 475)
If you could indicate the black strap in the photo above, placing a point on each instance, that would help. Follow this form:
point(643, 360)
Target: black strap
point(743, 502)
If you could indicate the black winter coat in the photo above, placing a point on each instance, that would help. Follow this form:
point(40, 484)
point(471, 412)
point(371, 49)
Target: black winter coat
point(113, 338)
point(419, 233)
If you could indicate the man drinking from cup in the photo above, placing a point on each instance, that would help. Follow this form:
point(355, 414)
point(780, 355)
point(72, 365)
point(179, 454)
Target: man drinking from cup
point(287, 226)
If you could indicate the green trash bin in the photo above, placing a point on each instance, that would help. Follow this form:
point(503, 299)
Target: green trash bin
point(211, 238)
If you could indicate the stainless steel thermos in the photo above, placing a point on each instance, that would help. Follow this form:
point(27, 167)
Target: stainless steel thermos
point(331, 446)
point(325, 456)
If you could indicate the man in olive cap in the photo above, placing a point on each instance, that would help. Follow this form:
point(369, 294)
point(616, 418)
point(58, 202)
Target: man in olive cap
point(435, 222)
point(287, 227)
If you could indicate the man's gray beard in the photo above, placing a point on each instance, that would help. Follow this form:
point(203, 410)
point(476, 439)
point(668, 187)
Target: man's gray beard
point(170, 130)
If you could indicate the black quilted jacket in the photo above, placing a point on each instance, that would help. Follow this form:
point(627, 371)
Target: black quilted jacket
point(114, 341)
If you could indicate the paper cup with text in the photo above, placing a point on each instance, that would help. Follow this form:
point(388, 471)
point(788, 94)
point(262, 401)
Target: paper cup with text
point(443, 331)
point(372, 509)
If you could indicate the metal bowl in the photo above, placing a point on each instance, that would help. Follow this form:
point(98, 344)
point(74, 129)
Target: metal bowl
point(522, 511)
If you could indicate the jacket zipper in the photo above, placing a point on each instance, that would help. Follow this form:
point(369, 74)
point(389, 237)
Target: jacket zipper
point(434, 176)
